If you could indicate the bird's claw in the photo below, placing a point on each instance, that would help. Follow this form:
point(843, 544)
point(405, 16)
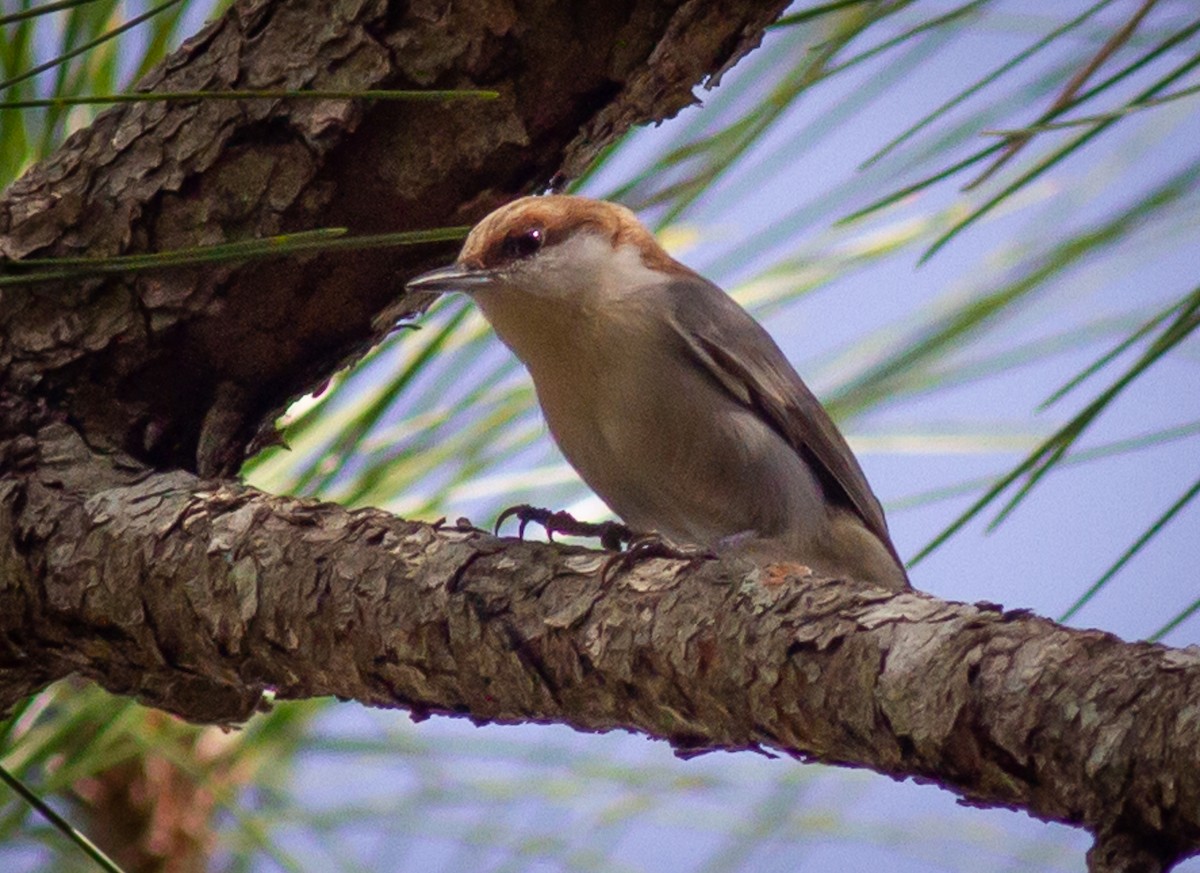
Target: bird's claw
point(611, 533)
point(642, 547)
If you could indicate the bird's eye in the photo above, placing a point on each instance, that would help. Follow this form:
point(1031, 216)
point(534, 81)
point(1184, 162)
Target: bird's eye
point(522, 244)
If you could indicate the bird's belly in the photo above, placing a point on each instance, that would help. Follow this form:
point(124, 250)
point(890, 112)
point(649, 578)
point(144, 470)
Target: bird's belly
point(690, 463)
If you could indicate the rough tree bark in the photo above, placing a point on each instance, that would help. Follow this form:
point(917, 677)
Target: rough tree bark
point(128, 556)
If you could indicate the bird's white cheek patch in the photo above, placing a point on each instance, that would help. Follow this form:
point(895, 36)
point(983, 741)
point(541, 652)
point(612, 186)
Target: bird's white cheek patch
point(586, 265)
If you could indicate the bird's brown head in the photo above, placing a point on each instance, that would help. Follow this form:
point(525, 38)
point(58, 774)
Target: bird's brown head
point(555, 246)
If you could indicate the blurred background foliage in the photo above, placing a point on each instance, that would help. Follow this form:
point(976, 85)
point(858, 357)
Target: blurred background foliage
point(1039, 161)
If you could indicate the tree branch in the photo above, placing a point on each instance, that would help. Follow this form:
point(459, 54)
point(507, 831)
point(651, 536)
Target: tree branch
point(197, 596)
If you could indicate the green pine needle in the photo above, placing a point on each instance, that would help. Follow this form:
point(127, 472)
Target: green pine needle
point(320, 240)
point(1155, 527)
point(61, 824)
point(1175, 622)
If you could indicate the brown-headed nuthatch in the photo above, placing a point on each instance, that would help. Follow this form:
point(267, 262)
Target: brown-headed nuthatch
point(670, 401)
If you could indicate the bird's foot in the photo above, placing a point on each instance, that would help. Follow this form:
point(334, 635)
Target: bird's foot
point(612, 534)
point(644, 546)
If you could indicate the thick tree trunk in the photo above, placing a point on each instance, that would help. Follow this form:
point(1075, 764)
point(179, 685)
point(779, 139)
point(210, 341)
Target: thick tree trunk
point(197, 595)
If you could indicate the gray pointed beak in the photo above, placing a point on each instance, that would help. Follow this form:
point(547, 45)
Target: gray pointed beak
point(453, 277)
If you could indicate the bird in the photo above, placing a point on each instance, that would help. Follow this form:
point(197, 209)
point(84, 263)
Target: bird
point(672, 403)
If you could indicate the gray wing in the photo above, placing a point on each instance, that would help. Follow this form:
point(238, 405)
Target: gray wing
point(742, 357)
